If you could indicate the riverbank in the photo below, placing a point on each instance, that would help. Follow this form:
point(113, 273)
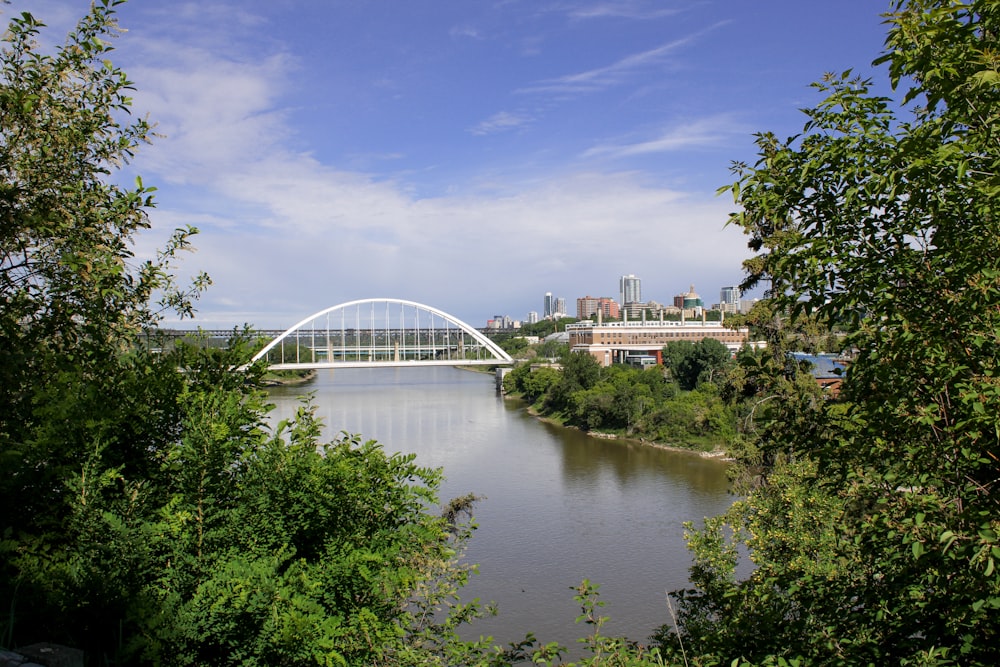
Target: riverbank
point(718, 454)
point(275, 380)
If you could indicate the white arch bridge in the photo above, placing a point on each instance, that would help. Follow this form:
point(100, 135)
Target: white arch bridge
point(381, 332)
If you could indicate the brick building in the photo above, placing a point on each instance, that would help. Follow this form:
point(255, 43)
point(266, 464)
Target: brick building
point(616, 342)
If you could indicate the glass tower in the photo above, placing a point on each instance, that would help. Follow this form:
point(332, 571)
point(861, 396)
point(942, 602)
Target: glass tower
point(630, 289)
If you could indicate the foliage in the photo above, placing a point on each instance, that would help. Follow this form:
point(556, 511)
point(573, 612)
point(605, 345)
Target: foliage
point(512, 345)
point(552, 349)
point(84, 413)
point(873, 528)
point(639, 403)
point(543, 328)
point(151, 515)
point(691, 364)
point(604, 650)
point(797, 330)
point(309, 555)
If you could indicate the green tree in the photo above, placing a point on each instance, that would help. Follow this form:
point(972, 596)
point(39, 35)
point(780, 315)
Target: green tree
point(151, 515)
point(691, 363)
point(579, 372)
point(536, 383)
point(674, 355)
point(874, 525)
point(514, 345)
point(82, 407)
point(552, 349)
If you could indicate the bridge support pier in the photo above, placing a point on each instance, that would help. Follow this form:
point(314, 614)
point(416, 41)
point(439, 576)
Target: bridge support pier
point(501, 372)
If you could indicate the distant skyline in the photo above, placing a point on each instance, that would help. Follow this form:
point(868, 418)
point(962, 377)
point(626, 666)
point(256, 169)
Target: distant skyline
point(467, 155)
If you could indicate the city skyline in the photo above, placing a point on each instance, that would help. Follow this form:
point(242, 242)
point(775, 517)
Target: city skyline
point(460, 155)
point(730, 300)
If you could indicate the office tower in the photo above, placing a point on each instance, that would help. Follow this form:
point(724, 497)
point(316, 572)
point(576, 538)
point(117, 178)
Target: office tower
point(560, 307)
point(630, 289)
point(532, 317)
point(549, 306)
point(729, 297)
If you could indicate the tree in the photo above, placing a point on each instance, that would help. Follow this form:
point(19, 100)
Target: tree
point(674, 355)
point(83, 407)
point(874, 528)
point(693, 363)
point(151, 515)
point(579, 372)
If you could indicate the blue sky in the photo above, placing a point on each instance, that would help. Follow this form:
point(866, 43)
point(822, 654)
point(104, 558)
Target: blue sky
point(470, 155)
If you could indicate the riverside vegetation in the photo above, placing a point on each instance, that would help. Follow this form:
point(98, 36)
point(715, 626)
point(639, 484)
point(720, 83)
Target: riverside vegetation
point(682, 405)
point(702, 398)
point(152, 517)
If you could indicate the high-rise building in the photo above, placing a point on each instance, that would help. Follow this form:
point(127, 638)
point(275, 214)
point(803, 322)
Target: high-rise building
point(589, 305)
point(548, 306)
point(629, 289)
point(560, 307)
point(532, 317)
point(586, 306)
point(729, 299)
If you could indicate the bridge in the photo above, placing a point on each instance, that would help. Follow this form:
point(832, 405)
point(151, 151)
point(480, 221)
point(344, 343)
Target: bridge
point(384, 333)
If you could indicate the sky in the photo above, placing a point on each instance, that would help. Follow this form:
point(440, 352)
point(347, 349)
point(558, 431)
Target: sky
point(470, 155)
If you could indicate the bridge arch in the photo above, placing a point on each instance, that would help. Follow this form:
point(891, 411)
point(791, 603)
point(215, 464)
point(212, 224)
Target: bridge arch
point(383, 331)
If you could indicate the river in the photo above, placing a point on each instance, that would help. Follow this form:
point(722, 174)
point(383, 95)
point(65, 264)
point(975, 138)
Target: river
point(559, 506)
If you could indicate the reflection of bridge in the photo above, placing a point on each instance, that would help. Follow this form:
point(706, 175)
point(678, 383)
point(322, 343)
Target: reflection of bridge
point(382, 332)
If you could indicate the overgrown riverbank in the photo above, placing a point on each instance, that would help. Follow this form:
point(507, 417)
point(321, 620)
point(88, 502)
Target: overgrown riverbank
point(714, 451)
point(649, 406)
point(288, 378)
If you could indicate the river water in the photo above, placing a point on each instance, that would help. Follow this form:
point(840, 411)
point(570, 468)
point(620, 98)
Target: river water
point(559, 506)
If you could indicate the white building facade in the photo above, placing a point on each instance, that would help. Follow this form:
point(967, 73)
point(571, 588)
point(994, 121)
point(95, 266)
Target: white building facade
point(629, 289)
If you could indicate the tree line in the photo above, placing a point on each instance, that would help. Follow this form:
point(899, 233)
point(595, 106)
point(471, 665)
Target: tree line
point(685, 402)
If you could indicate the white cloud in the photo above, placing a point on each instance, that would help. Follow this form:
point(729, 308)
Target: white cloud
point(335, 238)
point(465, 31)
point(213, 114)
point(285, 234)
point(604, 77)
point(501, 122)
point(712, 131)
point(630, 9)
point(614, 74)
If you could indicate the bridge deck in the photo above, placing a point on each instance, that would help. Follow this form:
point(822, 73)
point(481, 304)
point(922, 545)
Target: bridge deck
point(389, 364)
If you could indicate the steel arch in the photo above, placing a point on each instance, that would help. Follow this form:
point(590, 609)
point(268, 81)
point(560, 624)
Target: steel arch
point(502, 356)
